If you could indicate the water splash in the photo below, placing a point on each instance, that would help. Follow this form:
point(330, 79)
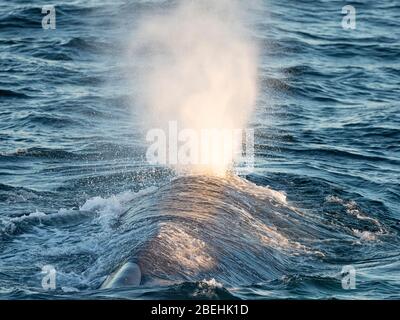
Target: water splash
point(201, 72)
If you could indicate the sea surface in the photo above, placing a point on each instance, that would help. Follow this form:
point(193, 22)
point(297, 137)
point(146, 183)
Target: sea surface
point(77, 194)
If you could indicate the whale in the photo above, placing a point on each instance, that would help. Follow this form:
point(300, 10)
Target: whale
point(200, 227)
point(127, 275)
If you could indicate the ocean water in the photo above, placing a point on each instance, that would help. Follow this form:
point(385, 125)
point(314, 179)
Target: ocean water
point(76, 192)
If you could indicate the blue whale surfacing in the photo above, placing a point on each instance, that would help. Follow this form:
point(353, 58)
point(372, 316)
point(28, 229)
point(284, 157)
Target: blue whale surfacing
point(199, 227)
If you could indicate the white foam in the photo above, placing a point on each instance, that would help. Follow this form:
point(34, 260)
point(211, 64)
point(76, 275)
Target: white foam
point(69, 289)
point(258, 191)
point(212, 283)
point(364, 235)
point(8, 225)
point(351, 208)
point(36, 214)
point(111, 207)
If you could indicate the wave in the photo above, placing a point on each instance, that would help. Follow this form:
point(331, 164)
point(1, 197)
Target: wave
point(53, 56)
point(39, 152)
point(340, 153)
point(22, 17)
point(12, 94)
point(85, 44)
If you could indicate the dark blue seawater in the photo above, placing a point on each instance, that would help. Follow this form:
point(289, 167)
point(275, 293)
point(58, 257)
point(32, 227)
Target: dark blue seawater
point(76, 192)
